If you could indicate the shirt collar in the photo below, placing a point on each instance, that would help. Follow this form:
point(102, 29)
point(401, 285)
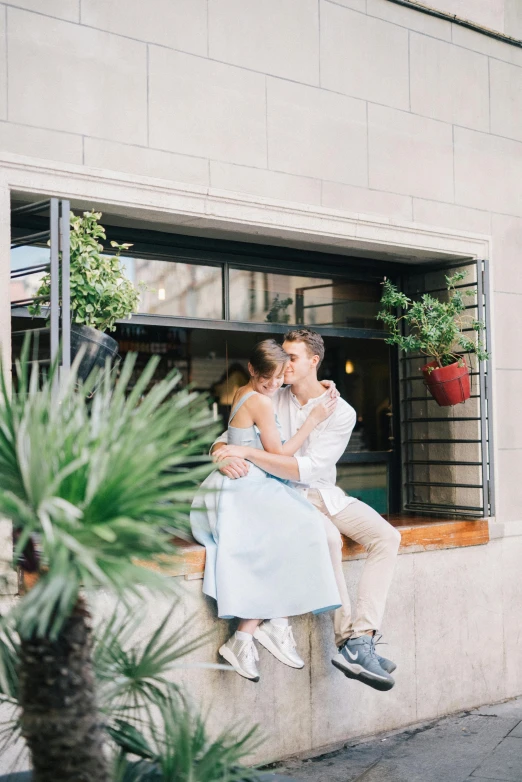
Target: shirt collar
point(311, 401)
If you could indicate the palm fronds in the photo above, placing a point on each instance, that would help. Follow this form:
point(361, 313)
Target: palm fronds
point(177, 747)
point(101, 482)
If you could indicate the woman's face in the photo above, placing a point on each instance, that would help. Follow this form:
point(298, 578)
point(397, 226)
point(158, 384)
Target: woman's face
point(268, 385)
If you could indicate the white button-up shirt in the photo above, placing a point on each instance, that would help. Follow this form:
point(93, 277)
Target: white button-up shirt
point(320, 452)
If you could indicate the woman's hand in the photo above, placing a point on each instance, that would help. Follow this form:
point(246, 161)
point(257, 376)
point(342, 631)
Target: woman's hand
point(323, 410)
point(330, 386)
point(238, 451)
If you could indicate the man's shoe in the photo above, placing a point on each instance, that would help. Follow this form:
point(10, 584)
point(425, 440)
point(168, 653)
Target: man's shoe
point(242, 656)
point(279, 640)
point(357, 660)
point(386, 665)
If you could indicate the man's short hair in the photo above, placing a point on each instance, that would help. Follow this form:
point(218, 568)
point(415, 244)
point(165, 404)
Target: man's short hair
point(313, 341)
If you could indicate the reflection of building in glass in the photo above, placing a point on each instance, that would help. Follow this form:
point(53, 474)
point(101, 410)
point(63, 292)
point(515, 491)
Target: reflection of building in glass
point(25, 287)
point(281, 298)
point(273, 298)
point(181, 289)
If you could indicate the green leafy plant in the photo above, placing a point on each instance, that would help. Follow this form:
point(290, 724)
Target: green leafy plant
point(103, 484)
point(277, 312)
point(101, 293)
point(433, 327)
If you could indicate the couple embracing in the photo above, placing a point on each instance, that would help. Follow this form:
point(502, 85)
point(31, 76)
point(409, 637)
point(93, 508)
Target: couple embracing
point(270, 518)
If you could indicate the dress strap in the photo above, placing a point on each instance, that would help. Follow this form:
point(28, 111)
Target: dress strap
point(243, 399)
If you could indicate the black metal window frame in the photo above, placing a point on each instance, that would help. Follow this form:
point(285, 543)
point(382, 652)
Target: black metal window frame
point(29, 227)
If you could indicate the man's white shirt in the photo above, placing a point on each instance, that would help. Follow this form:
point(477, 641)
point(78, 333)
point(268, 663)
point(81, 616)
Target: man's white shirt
point(320, 452)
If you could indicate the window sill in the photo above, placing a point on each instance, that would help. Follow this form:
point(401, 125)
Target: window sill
point(417, 533)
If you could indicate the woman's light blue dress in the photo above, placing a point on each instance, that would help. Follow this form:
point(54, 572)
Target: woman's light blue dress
point(266, 549)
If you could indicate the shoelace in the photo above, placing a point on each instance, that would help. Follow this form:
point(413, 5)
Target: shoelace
point(288, 636)
point(251, 653)
point(373, 652)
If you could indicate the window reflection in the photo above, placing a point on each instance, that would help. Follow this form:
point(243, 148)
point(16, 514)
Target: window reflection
point(23, 288)
point(263, 297)
point(366, 482)
point(178, 289)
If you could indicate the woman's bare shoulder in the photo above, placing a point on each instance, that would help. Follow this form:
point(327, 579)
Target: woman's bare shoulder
point(259, 403)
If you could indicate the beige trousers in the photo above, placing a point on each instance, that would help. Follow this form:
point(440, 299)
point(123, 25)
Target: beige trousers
point(364, 525)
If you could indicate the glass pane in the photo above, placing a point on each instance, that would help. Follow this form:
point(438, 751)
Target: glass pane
point(366, 482)
point(24, 287)
point(264, 297)
point(179, 289)
point(361, 371)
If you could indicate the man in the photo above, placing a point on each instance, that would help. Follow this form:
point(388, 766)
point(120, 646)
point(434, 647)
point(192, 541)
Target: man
point(313, 471)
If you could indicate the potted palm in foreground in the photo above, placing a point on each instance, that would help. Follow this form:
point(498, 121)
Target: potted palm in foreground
point(435, 329)
point(100, 483)
point(151, 730)
point(101, 292)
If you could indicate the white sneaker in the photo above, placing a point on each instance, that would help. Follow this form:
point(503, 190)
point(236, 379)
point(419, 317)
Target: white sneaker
point(280, 641)
point(242, 656)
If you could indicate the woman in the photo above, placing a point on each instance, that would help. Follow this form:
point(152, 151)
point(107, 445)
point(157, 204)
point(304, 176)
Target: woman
point(266, 551)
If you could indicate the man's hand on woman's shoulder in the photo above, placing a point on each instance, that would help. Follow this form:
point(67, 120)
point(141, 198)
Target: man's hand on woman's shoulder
point(330, 386)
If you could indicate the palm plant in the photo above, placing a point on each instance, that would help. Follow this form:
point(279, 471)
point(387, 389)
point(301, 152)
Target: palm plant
point(154, 732)
point(100, 483)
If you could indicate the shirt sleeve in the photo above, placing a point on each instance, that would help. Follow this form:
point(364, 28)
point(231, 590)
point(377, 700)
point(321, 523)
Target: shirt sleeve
point(327, 447)
point(223, 438)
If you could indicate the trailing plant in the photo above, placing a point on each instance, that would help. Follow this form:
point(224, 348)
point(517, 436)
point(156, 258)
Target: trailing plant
point(101, 292)
point(434, 328)
point(102, 484)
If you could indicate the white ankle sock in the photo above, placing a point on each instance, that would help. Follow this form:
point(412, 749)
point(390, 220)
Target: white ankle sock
point(280, 622)
point(241, 636)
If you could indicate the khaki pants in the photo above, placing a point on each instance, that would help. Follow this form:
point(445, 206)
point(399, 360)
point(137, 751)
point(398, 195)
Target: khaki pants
point(364, 525)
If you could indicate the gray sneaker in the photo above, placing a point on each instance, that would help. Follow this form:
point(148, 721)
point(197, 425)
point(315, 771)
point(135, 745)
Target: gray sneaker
point(387, 665)
point(242, 656)
point(357, 660)
point(280, 641)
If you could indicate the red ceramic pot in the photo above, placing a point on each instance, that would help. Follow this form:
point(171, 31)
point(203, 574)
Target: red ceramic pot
point(447, 385)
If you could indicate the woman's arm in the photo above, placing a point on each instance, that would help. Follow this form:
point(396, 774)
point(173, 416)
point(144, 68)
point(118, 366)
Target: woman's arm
point(280, 463)
point(262, 411)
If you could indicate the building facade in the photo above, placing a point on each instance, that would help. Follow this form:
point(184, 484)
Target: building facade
point(342, 138)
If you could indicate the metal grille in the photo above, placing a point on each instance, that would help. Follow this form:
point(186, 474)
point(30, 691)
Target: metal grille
point(447, 452)
point(59, 266)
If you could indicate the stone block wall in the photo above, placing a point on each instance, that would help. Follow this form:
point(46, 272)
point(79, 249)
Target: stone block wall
point(359, 105)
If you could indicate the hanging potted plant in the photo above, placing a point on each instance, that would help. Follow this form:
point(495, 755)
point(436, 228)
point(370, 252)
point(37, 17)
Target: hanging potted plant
point(101, 293)
point(435, 329)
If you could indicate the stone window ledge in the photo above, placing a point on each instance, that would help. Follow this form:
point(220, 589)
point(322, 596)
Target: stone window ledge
point(417, 533)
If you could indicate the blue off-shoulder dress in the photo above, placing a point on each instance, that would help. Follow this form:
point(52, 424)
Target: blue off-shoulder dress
point(266, 549)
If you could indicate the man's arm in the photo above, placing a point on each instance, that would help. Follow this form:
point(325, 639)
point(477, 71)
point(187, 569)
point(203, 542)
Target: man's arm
point(233, 467)
point(324, 453)
point(328, 447)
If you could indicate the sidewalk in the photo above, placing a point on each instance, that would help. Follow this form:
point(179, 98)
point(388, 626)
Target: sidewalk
point(476, 746)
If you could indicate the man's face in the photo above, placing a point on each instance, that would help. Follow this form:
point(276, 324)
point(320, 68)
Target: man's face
point(301, 364)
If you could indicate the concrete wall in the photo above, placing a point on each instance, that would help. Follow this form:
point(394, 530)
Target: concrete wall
point(367, 107)
point(502, 16)
point(450, 626)
point(361, 106)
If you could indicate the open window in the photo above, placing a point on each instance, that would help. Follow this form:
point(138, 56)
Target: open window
point(208, 301)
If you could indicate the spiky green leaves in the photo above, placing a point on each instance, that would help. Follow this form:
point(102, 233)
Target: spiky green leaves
point(101, 483)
